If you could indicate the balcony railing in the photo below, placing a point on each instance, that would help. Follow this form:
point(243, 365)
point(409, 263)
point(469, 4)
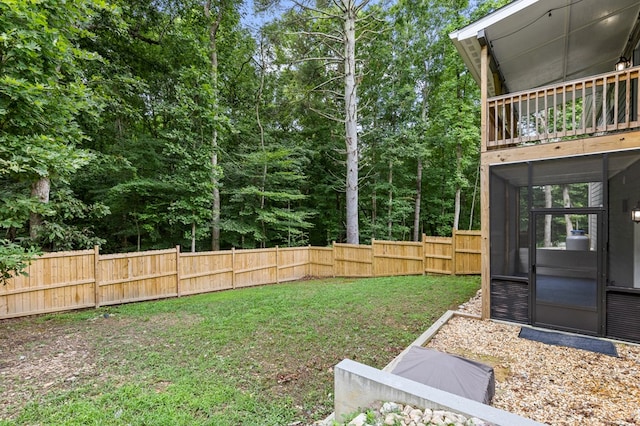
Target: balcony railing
point(587, 107)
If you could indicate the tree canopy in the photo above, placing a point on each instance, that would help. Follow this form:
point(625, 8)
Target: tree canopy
point(139, 125)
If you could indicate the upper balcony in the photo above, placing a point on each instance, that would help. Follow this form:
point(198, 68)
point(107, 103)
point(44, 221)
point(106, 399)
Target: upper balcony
point(586, 107)
point(544, 68)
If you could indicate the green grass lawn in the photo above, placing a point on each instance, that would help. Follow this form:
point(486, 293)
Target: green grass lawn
point(256, 356)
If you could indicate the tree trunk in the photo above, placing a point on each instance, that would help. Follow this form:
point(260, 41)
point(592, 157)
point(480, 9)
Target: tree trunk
point(456, 214)
point(566, 198)
point(193, 237)
point(265, 170)
point(139, 236)
point(460, 96)
point(424, 116)
point(215, 209)
point(416, 214)
point(374, 210)
point(351, 121)
point(390, 205)
point(213, 57)
point(40, 190)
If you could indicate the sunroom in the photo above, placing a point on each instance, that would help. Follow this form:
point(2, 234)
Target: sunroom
point(560, 163)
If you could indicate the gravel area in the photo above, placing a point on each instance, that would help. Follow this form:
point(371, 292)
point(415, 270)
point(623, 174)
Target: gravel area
point(548, 384)
point(391, 413)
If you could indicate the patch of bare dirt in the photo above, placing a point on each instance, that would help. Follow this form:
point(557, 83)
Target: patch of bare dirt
point(39, 355)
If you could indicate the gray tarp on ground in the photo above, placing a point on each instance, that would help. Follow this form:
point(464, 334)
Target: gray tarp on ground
point(450, 373)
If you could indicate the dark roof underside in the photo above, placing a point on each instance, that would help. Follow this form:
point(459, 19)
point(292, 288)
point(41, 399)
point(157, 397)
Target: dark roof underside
point(539, 42)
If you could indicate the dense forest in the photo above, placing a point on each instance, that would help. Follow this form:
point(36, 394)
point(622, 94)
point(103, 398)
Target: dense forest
point(144, 124)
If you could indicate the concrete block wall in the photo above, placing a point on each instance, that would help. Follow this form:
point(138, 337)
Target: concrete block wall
point(358, 386)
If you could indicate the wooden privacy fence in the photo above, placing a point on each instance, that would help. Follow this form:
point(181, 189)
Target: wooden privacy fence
point(457, 255)
point(81, 279)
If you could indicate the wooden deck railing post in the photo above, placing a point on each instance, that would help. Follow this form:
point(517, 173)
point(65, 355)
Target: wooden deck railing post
point(178, 292)
point(616, 101)
point(96, 274)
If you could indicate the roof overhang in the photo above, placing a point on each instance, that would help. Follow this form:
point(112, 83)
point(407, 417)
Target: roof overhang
point(535, 43)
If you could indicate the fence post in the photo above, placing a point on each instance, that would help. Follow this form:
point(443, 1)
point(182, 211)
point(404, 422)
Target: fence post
point(277, 267)
point(178, 270)
point(424, 254)
point(454, 247)
point(333, 260)
point(308, 268)
point(96, 274)
point(373, 257)
point(233, 267)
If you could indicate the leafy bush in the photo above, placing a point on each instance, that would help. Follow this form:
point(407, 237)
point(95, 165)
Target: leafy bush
point(14, 259)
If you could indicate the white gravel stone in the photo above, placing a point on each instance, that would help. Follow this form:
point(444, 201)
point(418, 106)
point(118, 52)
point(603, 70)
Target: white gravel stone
point(548, 384)
point(392, 419)
point(390, 407)
point(395, 414)
point(359, 420)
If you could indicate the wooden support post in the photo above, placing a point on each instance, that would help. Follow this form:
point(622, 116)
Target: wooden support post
point(96, 274)
point(485, 243)
point(308, 268)
point(484, 88)
point(484, 185)
point(178, 292)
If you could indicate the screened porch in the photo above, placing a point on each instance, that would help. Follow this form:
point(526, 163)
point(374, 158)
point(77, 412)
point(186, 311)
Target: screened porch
point(565, 252)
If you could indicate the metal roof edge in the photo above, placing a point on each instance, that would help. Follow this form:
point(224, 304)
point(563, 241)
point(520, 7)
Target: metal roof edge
point(472, 29)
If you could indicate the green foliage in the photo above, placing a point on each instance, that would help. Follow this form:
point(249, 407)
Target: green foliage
point(69, 224)
point(43, 92)
point(420, 106)
point(42, 89)
point(14, 259)
point(116, 104)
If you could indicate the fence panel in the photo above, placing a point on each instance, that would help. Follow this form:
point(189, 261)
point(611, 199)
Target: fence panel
point(438, 255)
point(321, 262)
point(133, 277)
point(73, 280)
point(206, 271)
point(353, 260)
point(56, 282)
point(293, 263)
point(468, 253)
point(255, 267)
point(392, 258)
